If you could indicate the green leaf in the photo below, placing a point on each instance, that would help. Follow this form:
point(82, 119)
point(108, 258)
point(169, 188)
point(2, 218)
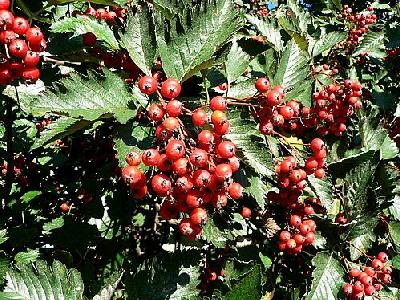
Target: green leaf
point(83, 24)
point(186, 52)
point(252, 145)
point(27, 257)
point(302, 93)
point(327, 278)
point(54, 224)
point(59, 129)
point(3, 236)
point(266, 261)
point(171, 8)
point(293, 67)
point(87, 97)
point(139, 39)
point(269, 28)
point(326, 41)
point(102, 2)
point(237, 62)
point(257, 189)
point(242, 89)
point(361, 235)
point(394, 231)
point(323, 190)
point(29, 196)
point(107, 292)
point(214, 235)
point(247, 288)
point(132, 137)
point(43, 283)
point(357, 182)
point(372, 43)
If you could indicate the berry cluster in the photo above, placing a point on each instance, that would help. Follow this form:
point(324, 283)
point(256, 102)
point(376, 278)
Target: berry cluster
point(22, 47)
point(189, 174)
point(370, 280)
point(109, 15)
point(300, 234)
point(360, 22)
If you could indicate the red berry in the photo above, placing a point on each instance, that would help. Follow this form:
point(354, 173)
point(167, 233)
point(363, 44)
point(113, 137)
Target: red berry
point(300, 239)
point(383, 257)
point(151, 157)
point(156, 112)
point(34, 36)
point(286, 112)
point(6, 18)
point(291, 244)
point(218, 117)
point(246, 212)
point(223, 172)
point(5, 4)
point(133, 176)
point(18, 48)
point(170, 88)
point(7, 36)
point(205, 137)
point(89, 39)
point(226, 149)
point(161, 184)
point(20, 25)
point(284, 236)
point(148, 85)
point(263, 85)
point(266, 127)
point(218, 103)
point(180, 166)
point(175, 149)
point(274, 97)
point(199, 117)
point(295, 220)
point(198, 216)
point(31, 74)
point(358, 287)
point(199, 158)
point(348, 289)
point(65, 207)
point(133, 158)
point(31, 59)
point(171, 123)
point(369, 289)
point(174, 108)
point(304, 229)
point(354, 272)
point(235, 190)
point(202, 178)
point(319, 173)
point(317, 144)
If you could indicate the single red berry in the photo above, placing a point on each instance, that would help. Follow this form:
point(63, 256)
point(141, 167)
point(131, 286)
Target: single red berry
point(198, 216)
point(151, 157)
point(31, 74)
point(291, 244)
point(295, 220)
point(355, 272)
point(246, 212)
point(20, 25)
point(202, 178)
point(7, 36)
point(348, 288)
point(383, 257)
point(369, 289)
point(31, 59)
point(235, 190)
point(263, 85)
point(286, 112)
point(174, 108)
point(132, 176)
point(284, 236)
point(205, 137)
point(300, 239)
point(164, 164)
point(18, 48)
point(171, 123)
point(175, 149)
point(34, 36)
point(310, 223)
point(133, 158)
point(180, 166)
point(226, 149)
point(6, 19)
point(234, 163)
point(218, 103)
point(199, 158)
point(223, 172)
point(319, 173)
point(148, 85)
point(266, 127)
point(65, 207)
point(274, 97)
point(89, 39)
point(170, 88)
point(156, 112)
point(317, 144)
point(183, 184)
point(310, 238)
point(199, 117)
point(218, 117)
point(161, 184)
point(5, 4)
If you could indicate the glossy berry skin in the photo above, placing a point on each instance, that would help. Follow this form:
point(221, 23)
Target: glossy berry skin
point(175, 149)
point(89, 39)
point(161, 184)
point(31, 74)
point(156, 112)
point(7, 36)
point(198, 216)
point(218, 103)
point(132, 176)
point(151, 157)
point(383, 257)
point(65, 207)
point(174, 108)
point(133, 158)
point(284, 236)
point(348, 289)
point(148, 85)
point(171, 88)
point(171, 124)
point(317, 145)
point(246, 212)
point(235, 190)
point(274, 97)
point(6, 19)
point(20, 25)
point(205, 137)
point(263, 85)
point(18, 48)
point(199, 117)
point(31, 59)
point(295, 220)
point(199, 158)
point(223, 172)
point(34, 36)
point(218, 118)
point(226, 149)
point(5, 4)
